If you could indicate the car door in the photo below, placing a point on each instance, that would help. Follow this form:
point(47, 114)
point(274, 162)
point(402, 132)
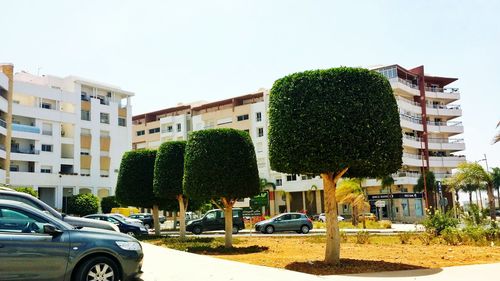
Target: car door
point(26, 253)
point(210, 221)
point(282, 223)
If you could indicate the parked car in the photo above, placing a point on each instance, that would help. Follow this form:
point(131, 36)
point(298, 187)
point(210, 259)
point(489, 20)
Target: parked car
point(322, 217)
point(367, 216)
point(42, 206)
point(38, 246)
point(127, 219)
point(214, 220)
point(125, 227)
point(285, 222)
point(189, 217)
point(147, 219)
point(126, 211)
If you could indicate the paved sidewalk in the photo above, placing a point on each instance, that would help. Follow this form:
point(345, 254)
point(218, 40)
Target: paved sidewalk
point(162, 264)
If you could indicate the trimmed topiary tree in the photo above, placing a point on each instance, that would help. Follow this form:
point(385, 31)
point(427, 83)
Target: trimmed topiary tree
point(108, 203)
point(334, 122)
point(221, 164)
point(30, 190)
point(168, 176)
point(83, 204)
point(135, 182)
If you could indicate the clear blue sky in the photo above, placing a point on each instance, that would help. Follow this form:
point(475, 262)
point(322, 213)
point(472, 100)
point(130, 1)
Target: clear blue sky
point(183, 51)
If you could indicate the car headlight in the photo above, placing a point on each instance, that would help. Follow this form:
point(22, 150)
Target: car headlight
point(129, 246)
point(143, 229)
point(115, 227)
point(189, 222)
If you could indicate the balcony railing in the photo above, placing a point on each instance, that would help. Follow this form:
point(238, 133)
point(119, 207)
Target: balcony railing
point(401, 174)
point(3, 123)
point(432, 123)
point(25, 128)
point(429, 105)
point(434, 140)
point(25, 150)
point(406, 82)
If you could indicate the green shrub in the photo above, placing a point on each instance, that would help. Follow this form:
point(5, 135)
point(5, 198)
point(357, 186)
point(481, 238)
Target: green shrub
point(451, 236)
point(405, 237)
point(439, 221)
point(83, 204)
point(426, 237)
point(493, 231)
point(474, 235)
point(108, 203)
point(28, 190)
point(362, 237)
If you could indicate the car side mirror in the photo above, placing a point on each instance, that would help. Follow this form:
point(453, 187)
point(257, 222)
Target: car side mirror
point(51, 230)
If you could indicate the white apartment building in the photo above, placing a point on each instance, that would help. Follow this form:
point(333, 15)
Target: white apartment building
point(428, 114)
point(62, 136)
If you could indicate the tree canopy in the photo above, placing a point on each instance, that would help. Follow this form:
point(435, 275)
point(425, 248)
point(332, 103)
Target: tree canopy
point(327, 120)
point(430, 180)
point(169, 170)
point(135, 179)
point(220, 163)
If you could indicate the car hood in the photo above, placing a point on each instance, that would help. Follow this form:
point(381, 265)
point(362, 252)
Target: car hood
point(195, 221)
point(85, 222)
point(264, 222)
point(104, 234)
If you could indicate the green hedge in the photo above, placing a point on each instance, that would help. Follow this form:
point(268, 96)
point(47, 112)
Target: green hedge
point(108, 203)
point(83, 204)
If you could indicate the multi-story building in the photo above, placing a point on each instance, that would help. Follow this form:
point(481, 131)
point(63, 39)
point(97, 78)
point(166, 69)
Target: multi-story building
point(428, 129)
point(62, 136)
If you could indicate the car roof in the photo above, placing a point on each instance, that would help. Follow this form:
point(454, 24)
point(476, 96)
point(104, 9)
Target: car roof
point(42, 204)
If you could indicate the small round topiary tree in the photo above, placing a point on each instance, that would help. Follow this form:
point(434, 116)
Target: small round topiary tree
point(221, 164)
point(135, 182)
point(108, 203)
point(83, 204)
point(334, 122)
point(168, 176)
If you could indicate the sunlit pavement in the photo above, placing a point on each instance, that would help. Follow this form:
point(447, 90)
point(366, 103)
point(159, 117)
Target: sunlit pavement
point(164, 264)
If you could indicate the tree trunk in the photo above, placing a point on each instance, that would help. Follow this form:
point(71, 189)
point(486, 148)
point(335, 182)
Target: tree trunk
point(228, 221)
point(391, 203)
point(470, 198)
point(156, 219)
point(480, 198)
point(354, 216)
point(498, 195)
point(332, 250)
point(175, 220)
point(491, 200)
point(182, 217)
point(364, 221)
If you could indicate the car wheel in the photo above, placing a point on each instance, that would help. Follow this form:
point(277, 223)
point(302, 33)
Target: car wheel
point(235, 229)
point(147, 226)
point(98, 268)
point(269, 229)
point(304, 229)
point(196, 230)
point(131, 233)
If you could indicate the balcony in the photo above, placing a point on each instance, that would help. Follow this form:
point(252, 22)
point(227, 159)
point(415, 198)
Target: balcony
point(432, 109)
point(442, 93)
point(434, 161)
point(24, 150)
point(452, 127)
point(404, 87)
point(435, 143)
point(25, 128)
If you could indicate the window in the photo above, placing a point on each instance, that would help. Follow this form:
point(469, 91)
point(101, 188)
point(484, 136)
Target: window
point(258, 116)
point(279, 182)
point(169, 129)
point(46, 169)
point(18, 221)
point(211, 216)
point(84, 153)
point(405, 204)
point(14, 168)
point(47, 129)
point(46, 105)
point(242, 117)
point(179, 127)
point(260, 132)
point(104, 118)
point(47, 147)
point(122, 122)
point(154, 130)
point(291, 177)
point(85, 115)
point(140, 133)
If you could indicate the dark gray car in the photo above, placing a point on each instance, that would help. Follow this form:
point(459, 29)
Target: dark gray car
point(297, 222)
point(40, 205)
point(37, 246)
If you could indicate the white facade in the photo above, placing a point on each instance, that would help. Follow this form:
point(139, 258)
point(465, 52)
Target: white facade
point(48, 130)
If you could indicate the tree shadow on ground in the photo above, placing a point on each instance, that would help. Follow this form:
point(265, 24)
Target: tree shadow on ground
point(353, 266)
point(221, 250)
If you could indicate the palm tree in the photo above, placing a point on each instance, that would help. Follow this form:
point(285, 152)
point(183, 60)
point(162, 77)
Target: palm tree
point(472, 175)
point(495, 175)
point(349, 191)
point(497, 136)
point(388, 182)
point(430, 183)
